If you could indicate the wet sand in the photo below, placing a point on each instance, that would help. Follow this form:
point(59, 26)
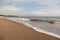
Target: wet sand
point(10, 30)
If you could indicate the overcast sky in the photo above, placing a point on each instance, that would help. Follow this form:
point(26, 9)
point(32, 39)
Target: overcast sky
point(30, 7)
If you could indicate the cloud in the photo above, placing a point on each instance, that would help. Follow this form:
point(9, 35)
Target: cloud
point(13, 2)
point(34, 7)
point(53, 8)
point(49, 12)
point(11, 10)
point(8, 8)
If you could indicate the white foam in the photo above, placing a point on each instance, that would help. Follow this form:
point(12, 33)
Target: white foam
point(46, 32)
point(35, 28)
point(43, 31)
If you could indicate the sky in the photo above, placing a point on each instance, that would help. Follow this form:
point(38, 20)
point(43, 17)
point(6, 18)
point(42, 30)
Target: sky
point(30, 7)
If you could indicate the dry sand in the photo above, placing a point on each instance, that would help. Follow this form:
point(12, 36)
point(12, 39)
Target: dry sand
point(10, 30)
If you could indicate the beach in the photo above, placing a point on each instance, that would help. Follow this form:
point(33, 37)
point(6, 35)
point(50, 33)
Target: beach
point(10, 30)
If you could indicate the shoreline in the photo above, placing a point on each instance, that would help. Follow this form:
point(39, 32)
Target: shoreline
point(36, 29)
point(11, 30)
point(42, 31)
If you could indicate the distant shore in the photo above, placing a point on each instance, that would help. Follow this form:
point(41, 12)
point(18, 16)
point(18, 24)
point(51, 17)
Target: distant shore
point(10, 30)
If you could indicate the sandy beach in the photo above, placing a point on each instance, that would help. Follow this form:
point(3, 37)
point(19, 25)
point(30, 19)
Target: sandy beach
point(10, 30)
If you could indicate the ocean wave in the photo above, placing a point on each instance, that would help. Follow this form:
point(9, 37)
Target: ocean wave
point(44, 27)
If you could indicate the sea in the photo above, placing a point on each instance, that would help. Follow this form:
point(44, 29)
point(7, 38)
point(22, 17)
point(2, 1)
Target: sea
point(43, 27)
